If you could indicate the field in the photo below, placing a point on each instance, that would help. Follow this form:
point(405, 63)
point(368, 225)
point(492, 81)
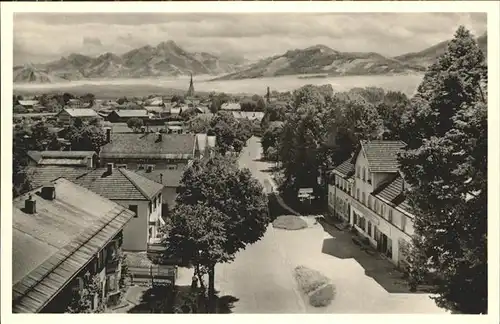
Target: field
point(168, 86)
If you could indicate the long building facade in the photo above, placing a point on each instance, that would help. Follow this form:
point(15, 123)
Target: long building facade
point(367, 191)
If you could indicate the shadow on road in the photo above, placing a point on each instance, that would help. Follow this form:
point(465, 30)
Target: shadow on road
point(182, 299)
point(376, 267)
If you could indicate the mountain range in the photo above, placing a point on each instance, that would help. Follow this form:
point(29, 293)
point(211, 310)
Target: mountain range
point(168, 59)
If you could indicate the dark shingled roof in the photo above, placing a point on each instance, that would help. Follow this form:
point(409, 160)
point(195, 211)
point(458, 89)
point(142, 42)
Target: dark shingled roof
point(51, 246)
point(392, 191)
point(382, 155)
point(121, 184)
point(40, 175)
point(171, 178)
point(147, 145)
point(346, 168)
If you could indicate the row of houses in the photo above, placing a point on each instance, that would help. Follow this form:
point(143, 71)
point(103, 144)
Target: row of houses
point(87, 208)
point(367, 191)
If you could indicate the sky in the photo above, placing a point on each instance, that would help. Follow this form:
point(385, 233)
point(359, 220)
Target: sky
point(42, 37)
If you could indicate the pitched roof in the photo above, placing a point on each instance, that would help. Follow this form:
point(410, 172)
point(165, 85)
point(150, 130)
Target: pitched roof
point(170, 178)
point(346, 168)
point(41, 175)
point(230, 106)
point(132, 113)
point(382, 155)
point(61, 157)
point(81, 112)
point(123, 128)
point(252, 115)
point(392, 192)
point(54, 244)
point(121, 184)
point(28, 102)
point(147, 145)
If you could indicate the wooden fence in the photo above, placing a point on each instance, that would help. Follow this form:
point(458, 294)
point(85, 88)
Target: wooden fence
point(153, 274)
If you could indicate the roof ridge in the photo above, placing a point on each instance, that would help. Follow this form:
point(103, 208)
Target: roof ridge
point(125, 173)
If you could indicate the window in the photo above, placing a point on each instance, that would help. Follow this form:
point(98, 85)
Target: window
point(390, 215)
point(403, 222)
point(171, 166)
point(358, 172)
point(382, 212)
point(121, 166)
point(134, 209)
point(363, 200)
point(369, 177)
point(149, 207)
point(376, 205)
point(155, 203)
point(369, 229)
point(159, 199)
point(336, 181)
point(370, 202)
point(357, 194)
point(364, 174)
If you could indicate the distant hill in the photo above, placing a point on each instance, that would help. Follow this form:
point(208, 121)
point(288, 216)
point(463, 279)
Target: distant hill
point(166, 59)
point(322, 59)
point(428, 56)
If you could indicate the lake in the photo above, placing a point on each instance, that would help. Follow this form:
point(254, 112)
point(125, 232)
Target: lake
point(141, 87)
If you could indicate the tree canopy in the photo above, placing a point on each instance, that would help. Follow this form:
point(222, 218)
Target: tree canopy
point(135, 123)
point(220, 210)
point(446, 167)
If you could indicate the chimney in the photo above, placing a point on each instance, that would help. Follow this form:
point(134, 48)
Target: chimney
point(48, 192)
point(108, 135)
point(109, 167)
point(161, 178)
point(30, 205)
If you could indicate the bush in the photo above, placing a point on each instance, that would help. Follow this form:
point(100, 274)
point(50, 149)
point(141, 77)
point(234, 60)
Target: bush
point(322, 296)
point(315, 285)
point(289, 223)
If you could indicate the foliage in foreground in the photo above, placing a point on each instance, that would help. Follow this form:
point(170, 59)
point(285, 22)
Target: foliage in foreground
point(446, 168)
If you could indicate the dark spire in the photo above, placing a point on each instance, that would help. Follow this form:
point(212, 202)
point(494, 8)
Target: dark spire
point(190, 92)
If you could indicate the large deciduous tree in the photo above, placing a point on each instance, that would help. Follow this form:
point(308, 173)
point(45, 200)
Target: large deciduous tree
point(220, 210)
point(446, 166)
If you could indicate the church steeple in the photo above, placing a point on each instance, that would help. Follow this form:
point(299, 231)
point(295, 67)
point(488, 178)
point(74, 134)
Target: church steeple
point(190, 92)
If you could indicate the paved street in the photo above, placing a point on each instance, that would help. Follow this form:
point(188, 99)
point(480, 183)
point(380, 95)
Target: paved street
point(261, 277)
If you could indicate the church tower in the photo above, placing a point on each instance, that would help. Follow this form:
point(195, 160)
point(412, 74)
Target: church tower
point(190, 92)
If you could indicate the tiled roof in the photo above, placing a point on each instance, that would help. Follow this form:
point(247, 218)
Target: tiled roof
point(81, 112)
point(121, 184)
point(170, 178)
point(252, 115)
point(123, 128)
point(132, 113)
point(392, 191)
point(69, 158)
point(147, 145)
point(346, 168)
point(382, 155)
point(41, 175)
point(50, 246)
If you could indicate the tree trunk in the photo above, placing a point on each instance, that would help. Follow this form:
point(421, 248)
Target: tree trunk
point(211, 289)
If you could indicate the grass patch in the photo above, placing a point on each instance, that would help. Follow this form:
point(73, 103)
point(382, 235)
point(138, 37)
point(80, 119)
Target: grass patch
point(317, 287)
point(289, 223)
